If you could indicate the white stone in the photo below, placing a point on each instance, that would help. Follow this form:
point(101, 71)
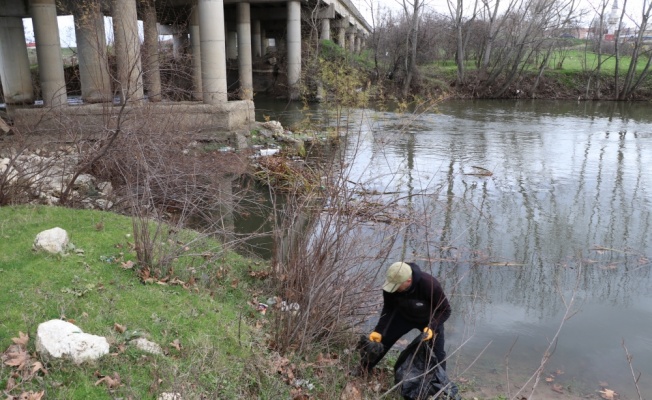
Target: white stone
point(170, 396)
point(84, 181)
point(268, 152)
point(104, 204)
point(52, 241)
point(273, 126)
point(147, 346)
point(106, 188)
point(61, 339)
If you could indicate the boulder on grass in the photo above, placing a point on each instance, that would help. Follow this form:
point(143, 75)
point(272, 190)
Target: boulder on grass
point(61, 339)
point(53, 241)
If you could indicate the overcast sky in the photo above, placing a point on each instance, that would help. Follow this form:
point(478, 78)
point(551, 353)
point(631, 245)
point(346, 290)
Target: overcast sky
point(67, 30)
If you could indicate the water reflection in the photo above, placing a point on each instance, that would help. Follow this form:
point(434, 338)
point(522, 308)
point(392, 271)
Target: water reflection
point(566, 210)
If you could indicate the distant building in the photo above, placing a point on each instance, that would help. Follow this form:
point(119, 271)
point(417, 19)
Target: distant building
point(612, 20)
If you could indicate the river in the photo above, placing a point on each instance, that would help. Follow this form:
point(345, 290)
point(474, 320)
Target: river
point(539, 221)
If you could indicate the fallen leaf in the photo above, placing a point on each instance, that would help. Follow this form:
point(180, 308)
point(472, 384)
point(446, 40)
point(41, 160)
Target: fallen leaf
point(550, 379)
point(22, 339)
point(119, 328)
point(176, 344)
point(558, 388)
point(11, 384)
point(127, 265)
point(31, 395)
point(38, 366)
point(607, 394)
point(111, 382)
point(234, 284)
point(351, 392)
point(321, 360)
point(559, 372)
point(19, 359)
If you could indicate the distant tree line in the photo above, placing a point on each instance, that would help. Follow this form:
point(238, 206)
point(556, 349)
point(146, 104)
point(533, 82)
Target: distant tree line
point(494, 43)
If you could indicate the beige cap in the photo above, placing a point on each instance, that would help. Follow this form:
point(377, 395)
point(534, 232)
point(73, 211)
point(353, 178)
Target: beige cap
point(397, 274)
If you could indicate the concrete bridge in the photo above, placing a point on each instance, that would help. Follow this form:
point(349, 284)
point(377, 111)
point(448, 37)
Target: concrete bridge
point(214, 33)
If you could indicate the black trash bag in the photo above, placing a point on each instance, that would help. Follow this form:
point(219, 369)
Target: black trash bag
point(369, 351)
point(420, 376)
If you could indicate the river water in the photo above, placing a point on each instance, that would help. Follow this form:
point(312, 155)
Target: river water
point(539, 226)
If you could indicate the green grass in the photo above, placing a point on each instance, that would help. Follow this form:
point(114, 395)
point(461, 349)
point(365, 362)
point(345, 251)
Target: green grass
point(574, 61)
point(212, 324)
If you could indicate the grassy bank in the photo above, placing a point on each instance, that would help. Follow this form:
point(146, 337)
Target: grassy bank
point(210, 348)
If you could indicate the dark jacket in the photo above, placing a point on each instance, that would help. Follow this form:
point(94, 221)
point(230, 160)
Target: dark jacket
point(424, 302)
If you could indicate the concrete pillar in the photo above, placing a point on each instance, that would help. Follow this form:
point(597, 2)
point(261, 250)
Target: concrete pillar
point(48, 51)
point(294, 48)
point(213, 52)
point(325, 29)
point(256, 39)
point(195, 46)
point(127, 51)
point(357, 43)
point(179, 43)
point(231, 45)
point(14, 62)
point(351, 44)
point(244, 51)
point(151, 64)
point(341, 36)
point(264, 43)
point(91, 52)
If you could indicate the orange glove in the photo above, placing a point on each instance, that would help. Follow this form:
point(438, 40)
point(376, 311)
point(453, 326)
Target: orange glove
point(427, 334)
point(375, 337)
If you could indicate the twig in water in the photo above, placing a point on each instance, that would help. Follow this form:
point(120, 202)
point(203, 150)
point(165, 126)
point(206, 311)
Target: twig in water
point(631, 368)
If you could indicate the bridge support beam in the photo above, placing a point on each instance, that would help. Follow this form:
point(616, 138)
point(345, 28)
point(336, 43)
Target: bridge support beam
point(341, 36)
point(231, 44)
point(213, 54)
point(127, 51)
point(244, 51)
point(14, 62)
point(195, 45)
point(256, 39)
point(351, 45)
point(91, 50)
point(48, 50)
point(179, 43)
point(325, 29)
point(294, 48)
point(151, 64)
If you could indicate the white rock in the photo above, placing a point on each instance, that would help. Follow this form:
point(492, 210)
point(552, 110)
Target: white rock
point(170, 396)
point(145, 345)
point(104, 204)
point(273, 126)
point(61, 339)
point(84, 181)
point(106, 188)
point(268, 152)
point(52, 240)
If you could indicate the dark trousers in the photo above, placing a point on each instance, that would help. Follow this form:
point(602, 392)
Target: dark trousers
point(399, 326)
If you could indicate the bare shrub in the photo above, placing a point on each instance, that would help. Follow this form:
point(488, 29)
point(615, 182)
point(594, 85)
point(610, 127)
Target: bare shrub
point(167, 183)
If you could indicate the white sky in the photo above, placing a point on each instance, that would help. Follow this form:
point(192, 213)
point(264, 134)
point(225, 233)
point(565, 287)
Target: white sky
point(67, 31)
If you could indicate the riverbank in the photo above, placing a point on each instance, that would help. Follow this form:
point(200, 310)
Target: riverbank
point(551, 85)
point(205, 318)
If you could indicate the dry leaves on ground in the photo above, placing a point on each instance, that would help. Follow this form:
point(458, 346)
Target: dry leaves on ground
point(608, 394)
point(111, 381)
point(28, 396)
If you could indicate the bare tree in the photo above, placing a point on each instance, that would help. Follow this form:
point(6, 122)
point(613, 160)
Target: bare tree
point(598, 28)
point(631, 81)
point(456, 9)
point(412, 11)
